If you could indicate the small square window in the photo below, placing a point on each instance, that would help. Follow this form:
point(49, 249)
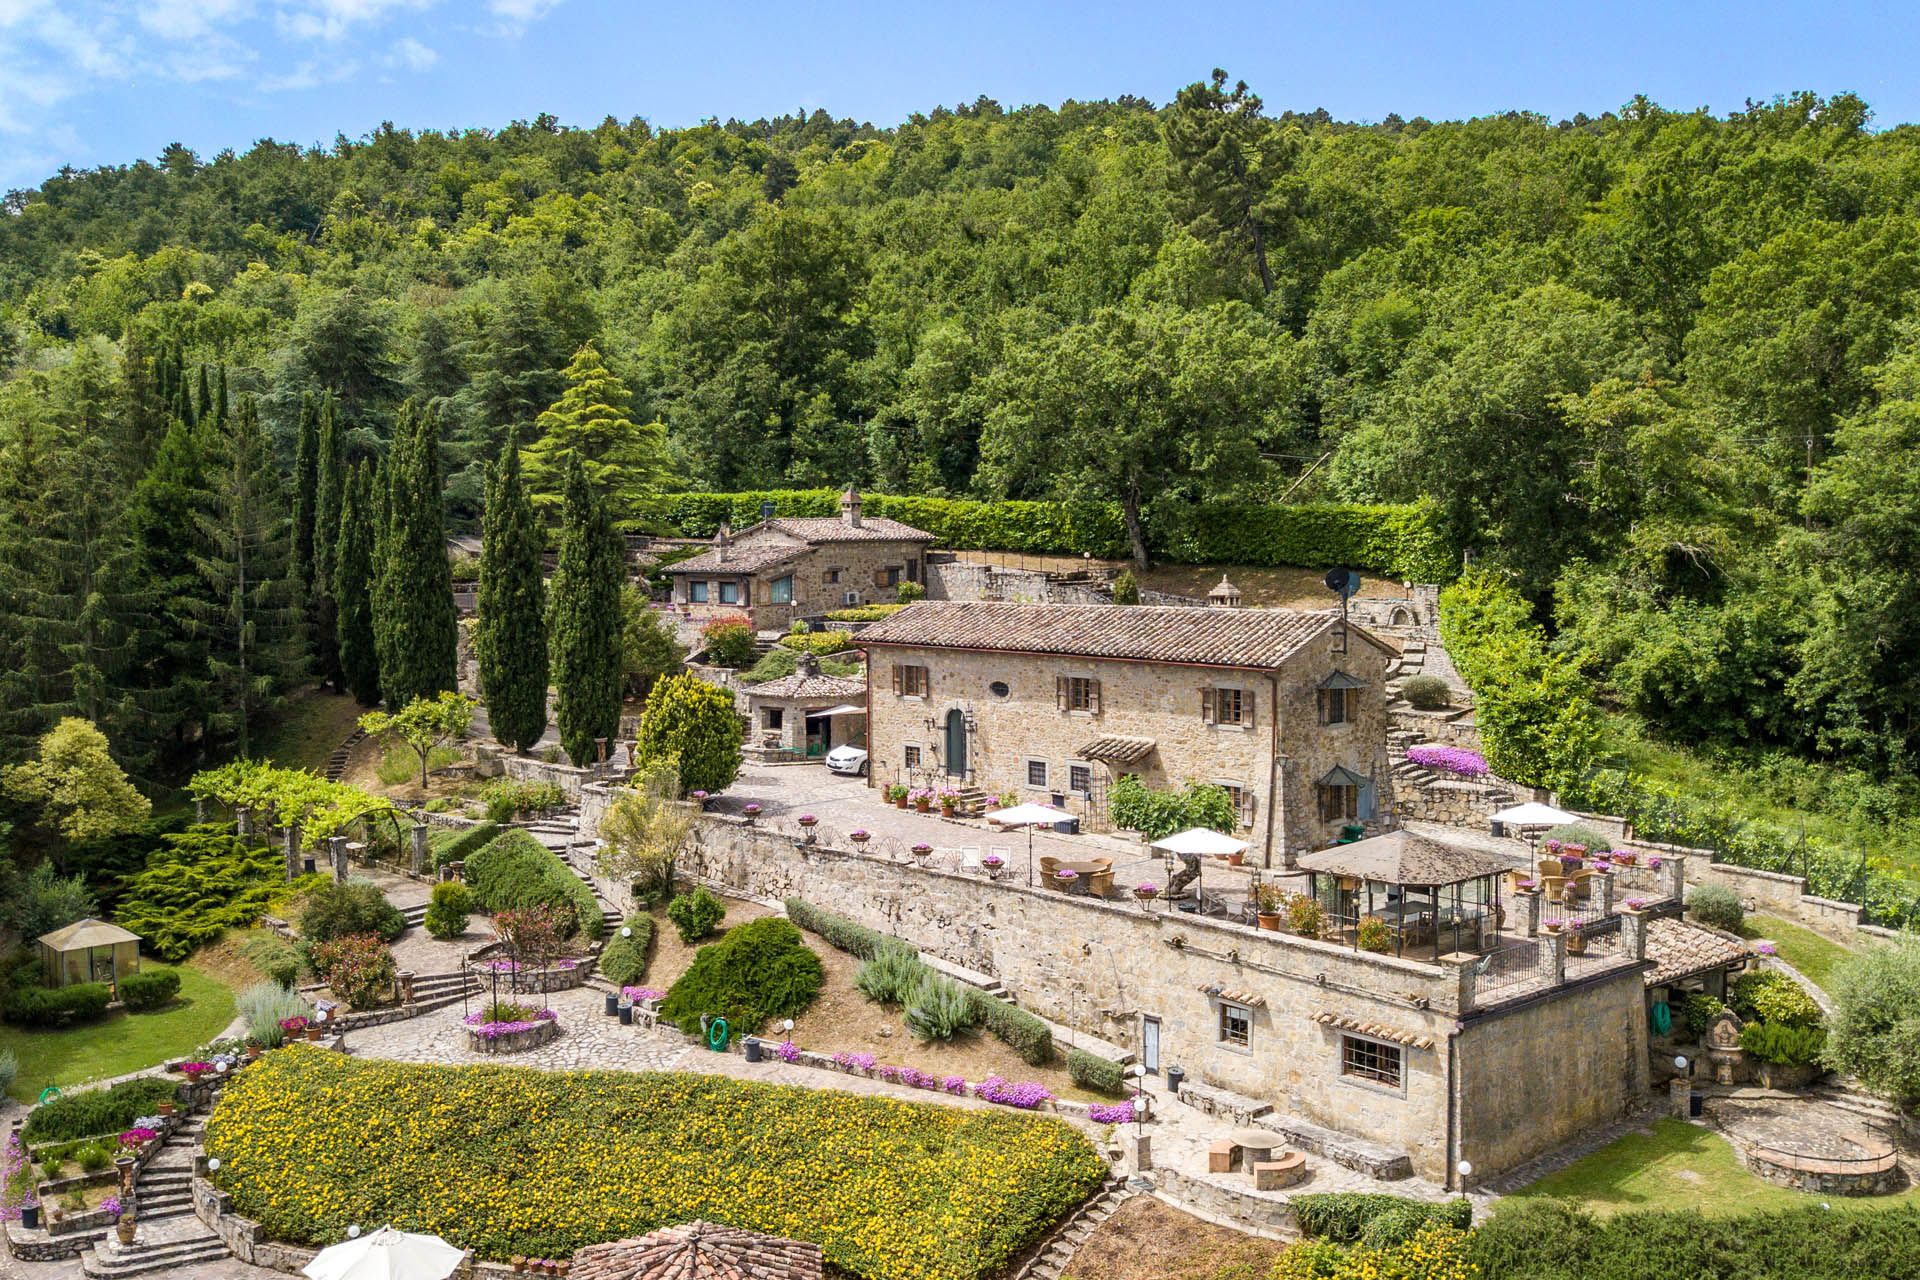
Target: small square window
point(913, 757)
point(893, 575)
point(1080, 779)
point(1236, 1025)
point(1036, 773)
point(831, 576)
point(776, 717)
point(1242, 801)
point(1371, 1060)
point(781, 591)
point(729, 593)
point(1338, 803)
point(1230, 705)
point(915, 681)
point(696, 593)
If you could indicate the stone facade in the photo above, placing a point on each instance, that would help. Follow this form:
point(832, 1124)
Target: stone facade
point(1004, 711)
point(1472, 1083)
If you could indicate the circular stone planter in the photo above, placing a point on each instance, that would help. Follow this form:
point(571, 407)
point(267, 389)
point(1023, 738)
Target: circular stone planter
point(1875, 1172)
point(533, 1037)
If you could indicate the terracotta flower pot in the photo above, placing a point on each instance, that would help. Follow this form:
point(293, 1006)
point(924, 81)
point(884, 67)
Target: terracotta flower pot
point(946, 811)
point(921, 806)
point(1268, 920)
point(1236, 859)
point(519, 1264)
point(900, 803)
point(124, 1229)
point(314, 1034)
point(166, 1108)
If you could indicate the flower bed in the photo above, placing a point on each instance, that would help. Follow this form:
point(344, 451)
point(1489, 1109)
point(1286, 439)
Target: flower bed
point(510, 1028)
point(1454, 760)
point(507, 1162)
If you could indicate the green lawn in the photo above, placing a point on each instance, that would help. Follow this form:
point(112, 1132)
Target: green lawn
point(303, 733)
point(122, 1042)
point(1811, 953)
point(1678, 1165)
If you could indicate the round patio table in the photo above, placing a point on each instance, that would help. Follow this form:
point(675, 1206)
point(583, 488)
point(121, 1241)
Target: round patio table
point(1256, 1146)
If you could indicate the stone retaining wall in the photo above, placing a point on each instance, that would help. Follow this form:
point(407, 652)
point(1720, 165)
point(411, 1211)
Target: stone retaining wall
point(533, 1037)
point(1224, 1206)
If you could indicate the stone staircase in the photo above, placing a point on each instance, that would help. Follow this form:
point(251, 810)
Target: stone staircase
point(1840, 1096)
point(415, 915)
point(337, 762)
point(438, 990)
point(167, 1235)
point(1054, 1253)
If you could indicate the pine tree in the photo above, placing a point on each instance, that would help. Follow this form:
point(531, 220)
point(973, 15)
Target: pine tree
point(422, 629)
point(623, 460)
point(330, 465)
point(352, 580)
point(510, 636)
point(1232, 170)
point(305, 461)
point(254, 623)
point(143, 403)
point(584, 620)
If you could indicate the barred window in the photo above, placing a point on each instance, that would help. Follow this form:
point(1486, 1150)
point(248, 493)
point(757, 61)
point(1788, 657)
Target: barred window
point(1080, 779)
point(1036, 773)
point(1236, 1025)
point(1370, 1060)
point(913, 757)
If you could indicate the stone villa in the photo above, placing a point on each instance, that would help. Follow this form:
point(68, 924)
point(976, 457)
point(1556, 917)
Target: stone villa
point(785, 568)
point(1284, 708)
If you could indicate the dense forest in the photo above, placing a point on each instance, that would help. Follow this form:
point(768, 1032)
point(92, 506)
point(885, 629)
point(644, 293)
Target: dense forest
point(1661, 366)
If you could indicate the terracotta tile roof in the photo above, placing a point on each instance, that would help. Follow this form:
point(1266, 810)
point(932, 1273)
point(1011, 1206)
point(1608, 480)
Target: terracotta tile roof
point(1401, 857)
point(818, 529)
point(802, 685)
point(699, 1251)
point(1117, 748)
point(1680, 949)
point(1260, 638)
point(742, 556)
point(1413, 1039)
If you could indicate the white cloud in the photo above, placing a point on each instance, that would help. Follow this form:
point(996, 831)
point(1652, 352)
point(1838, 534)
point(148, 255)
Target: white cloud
point(515, 15)
point(310, 74)
point(188, 19)
point(332, 19)
point(411, 54)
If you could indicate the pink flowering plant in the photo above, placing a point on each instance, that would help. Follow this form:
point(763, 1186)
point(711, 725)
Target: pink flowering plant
point(1766, 948)
point(1028, 1095)
point(135, 1136)
point(503, 1019)
point(1455, 760)
point(642, 995)
point(856, 1061)
point(1111, 1113)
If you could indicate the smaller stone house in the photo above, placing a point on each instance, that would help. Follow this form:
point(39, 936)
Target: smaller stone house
point(1284, 708)
point(804, 715)
point(786, 568)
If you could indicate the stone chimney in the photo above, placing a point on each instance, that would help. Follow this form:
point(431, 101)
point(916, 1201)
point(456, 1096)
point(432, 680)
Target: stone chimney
point(722, 539)
point(808, 665)
point(1224, 596)
point(850, 508)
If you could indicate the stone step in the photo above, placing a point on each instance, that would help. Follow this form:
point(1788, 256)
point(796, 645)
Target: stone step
point(110, 1260)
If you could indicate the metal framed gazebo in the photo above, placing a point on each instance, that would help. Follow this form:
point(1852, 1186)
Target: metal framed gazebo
point(1433, 897)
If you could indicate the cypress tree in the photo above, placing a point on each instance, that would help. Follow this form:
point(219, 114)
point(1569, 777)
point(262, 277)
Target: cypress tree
point(380, 576)
point(330, 464)
point(305, 450)
point(254, 619)
point(584, 619)
point(422, 631)
point(510, 636)
point(353, 584)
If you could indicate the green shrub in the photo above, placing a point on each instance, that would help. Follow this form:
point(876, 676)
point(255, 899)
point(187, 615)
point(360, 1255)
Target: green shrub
point(1782, 1044)
point(92, 1158)
point(758, 971)
point(864, 613)
point(1717, 905)
point(198, 884)
point(728, 642)
point(337, 910)
point(818, 643)
point(775, 664)
point(624, 961)
point(517, 871)
point(95, 1111)
point(357, 967)
point(275, 957)
point(938, 1008)
point(1591, 839)
point(692, 723)
point(1019, 1030)
point(1426, 693)
point(507, 798)
point(1766, 995)
point(149, 989)
point(400, 764)
point(1698, 1011)
point(263, 1006)
point(892, 974)
point(458, 846)
point(1126, 588)
point(696, 915)
point(37, 1006)
point(841, 933)
point(1348, 1217)
point(448, 907)
point(1090, 1071)
point(9, 1069)
point(1155, 814)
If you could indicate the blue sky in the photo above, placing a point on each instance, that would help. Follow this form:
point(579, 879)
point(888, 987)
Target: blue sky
point(88, 82)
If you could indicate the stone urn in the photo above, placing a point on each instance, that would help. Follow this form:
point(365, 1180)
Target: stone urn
point(124, 1229)
point(1576, 943)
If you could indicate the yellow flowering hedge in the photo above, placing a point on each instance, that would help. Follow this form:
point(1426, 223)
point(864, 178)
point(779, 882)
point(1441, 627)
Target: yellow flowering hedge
point(1435, 1252)
point(510, 1160)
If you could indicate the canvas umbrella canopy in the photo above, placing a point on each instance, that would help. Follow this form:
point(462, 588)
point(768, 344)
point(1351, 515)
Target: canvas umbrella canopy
point(1201, 842)
point(1028, 816)
point(1534, 814)
point(387, 1254)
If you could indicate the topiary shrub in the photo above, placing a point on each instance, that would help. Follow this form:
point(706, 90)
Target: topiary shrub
point(892, 974)
point(458, 846)
point(356, 907)
point(37, 1006)
point(696, 915)
point(692, 723)
point(447, 910)
point(1774, 998)
point(149, 989)
point(82, 1115)
point(938, 1008)
point(1427, 693)
point(1717, 905)
point(760, 970)
point(516, 871)
point(1019, 1030)
point(624, 961)
point(1090, 1071)
point(840, 932)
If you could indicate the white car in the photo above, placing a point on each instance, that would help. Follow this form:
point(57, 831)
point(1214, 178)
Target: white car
point(847, 759)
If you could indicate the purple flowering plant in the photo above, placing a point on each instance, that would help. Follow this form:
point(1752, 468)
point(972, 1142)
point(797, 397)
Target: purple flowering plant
point(1455, 760)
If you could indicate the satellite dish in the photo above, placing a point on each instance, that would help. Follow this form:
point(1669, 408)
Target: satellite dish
point(1342, 582)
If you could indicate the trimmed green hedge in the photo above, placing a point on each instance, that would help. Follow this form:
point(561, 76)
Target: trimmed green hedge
point(517, 871)
point(458, 846)
point(81, 1115)
point(36, 1006)
point(1023, 1033)
point(149, 989)
point(1374, 1218)
point(1092, 1072)
point(624, 961)
point(1400, 541)
point(840, 932)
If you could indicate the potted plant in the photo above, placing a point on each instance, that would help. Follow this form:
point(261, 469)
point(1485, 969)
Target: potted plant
point(1554, 926)
point(293, 1027)
point(1069, 880)
point(809, 821)
point(752, 813)
point(1305, 915)
point(922, 798)
point(315, 1031)
point(194, 1070)
point(166, 1107)
point(1576, 941)
point(1236, 859)
point(1146, 892)
point(859, 835)
point(519, 1262)
point(897, 793)
point(1268, 901)
point(992, 862)
point(948, 798)
point(1373, 935)
point(922, 850)
point(253, 1050)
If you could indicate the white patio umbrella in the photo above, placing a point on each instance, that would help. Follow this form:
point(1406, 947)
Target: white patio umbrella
point(1203, 842)
point(1028, 816)
point(844, 709)
point(387, 1254)
point(1534, 814)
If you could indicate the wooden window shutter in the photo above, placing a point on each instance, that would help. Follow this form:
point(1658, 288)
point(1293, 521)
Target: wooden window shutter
point(1320, 698)
point(880, 577)
point(1206, 706)
point(1060, 693)
point(926, 681)
point(1093, 696)
point(1246, 708)
point(896, 677)
point(1246, 806)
